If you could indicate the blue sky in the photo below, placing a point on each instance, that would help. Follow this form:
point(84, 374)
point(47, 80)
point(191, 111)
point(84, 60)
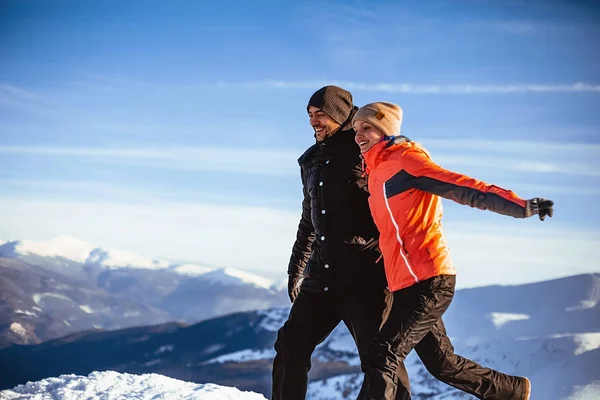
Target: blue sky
point(172, 129)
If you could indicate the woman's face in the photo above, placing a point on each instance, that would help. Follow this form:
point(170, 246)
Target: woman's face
point(367, 135)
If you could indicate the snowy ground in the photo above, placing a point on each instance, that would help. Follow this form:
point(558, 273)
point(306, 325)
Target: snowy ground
point(111, 385)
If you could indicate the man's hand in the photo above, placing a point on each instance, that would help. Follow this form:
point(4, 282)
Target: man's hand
point(294, 283)
point(539, 206)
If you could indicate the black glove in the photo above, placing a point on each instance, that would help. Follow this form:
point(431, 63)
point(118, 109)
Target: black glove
point(539, 206)
point(294, 283)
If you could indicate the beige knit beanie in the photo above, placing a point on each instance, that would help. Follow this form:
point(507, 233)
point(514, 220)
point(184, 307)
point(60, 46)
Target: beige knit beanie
point(386, 117)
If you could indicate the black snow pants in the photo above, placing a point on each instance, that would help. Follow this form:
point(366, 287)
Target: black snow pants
point(415, 321)
point(312, 318)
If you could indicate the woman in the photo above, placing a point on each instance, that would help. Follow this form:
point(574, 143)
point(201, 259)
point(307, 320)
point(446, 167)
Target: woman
point(405, 187)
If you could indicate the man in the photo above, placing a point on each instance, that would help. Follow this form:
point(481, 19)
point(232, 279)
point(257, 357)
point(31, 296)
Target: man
point(334, 273)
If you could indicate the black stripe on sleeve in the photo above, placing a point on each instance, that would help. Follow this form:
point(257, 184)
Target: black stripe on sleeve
point(403, 181)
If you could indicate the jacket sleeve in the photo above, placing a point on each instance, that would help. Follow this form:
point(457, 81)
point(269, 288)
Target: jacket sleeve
point(420, 172)
point(305, 236)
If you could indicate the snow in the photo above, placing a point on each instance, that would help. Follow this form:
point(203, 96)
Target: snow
point(573, 378)
point(62, 246)
point(18, 329)
point(579, 342)
point(192, 269)
point(584, 305)
point(83, 252)
point(86, 309)
point(163, 349)
point(586, 342)
point(37, 297)
point(120, 258)
point(128, 314)
point(274, 318)
point(339, 345)
point(244, 355)
point(282, 284)
point(585, 392)
point(500, 319)
point(111, 385)
point(334, 388)
point(86, 253)
point(552, 382)
point(561, 366)
point(235, 276)
point(213, 348)
point(26, 312)
point(340, 340)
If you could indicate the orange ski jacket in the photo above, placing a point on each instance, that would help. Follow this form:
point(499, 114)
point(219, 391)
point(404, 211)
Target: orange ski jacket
point(405, 187)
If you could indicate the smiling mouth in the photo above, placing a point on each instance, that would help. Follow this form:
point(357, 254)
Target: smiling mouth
point(363, 142)
point(319, 129)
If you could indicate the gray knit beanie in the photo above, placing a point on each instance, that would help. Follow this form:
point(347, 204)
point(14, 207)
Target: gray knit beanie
point(386, 117)
point(334, 101)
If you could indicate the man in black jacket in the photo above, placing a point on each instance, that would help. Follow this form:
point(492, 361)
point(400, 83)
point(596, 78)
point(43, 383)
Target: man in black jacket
point(334, 273)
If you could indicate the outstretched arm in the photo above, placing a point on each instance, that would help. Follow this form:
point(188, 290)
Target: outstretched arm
point(420, 172)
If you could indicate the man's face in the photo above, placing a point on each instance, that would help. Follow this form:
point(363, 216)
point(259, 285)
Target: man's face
point(322, 123)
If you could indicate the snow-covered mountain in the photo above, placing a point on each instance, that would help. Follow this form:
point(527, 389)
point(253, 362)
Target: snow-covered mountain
point(548, 331)
point(37, 304)
point(50, 289)
point(110, 385)
point(74, 252)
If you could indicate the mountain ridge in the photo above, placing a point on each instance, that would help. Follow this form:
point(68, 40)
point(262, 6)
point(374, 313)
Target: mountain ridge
point(237, 349)
point(45, 295)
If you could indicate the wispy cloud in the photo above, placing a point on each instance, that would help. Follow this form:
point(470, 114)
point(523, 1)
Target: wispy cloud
point(239, 160)
point(577, 159)
point(359, 12)
point(20, 92)
point(516, 155)
point(64, 106)
point(514, 27)
point(394, 87)
point(518, 146)
point(46, 105)
point(133, 192)
point(514, 164)
point(428, 89)
point(22, 99)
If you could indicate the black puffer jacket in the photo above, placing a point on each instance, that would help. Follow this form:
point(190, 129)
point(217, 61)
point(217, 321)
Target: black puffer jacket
point(336, 246)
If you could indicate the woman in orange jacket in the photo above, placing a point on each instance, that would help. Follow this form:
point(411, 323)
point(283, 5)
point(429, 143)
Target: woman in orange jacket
point(405, 188)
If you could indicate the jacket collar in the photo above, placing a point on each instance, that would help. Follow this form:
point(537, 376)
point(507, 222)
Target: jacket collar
point(340, 138)
point(377, 152)
point(342, 142)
